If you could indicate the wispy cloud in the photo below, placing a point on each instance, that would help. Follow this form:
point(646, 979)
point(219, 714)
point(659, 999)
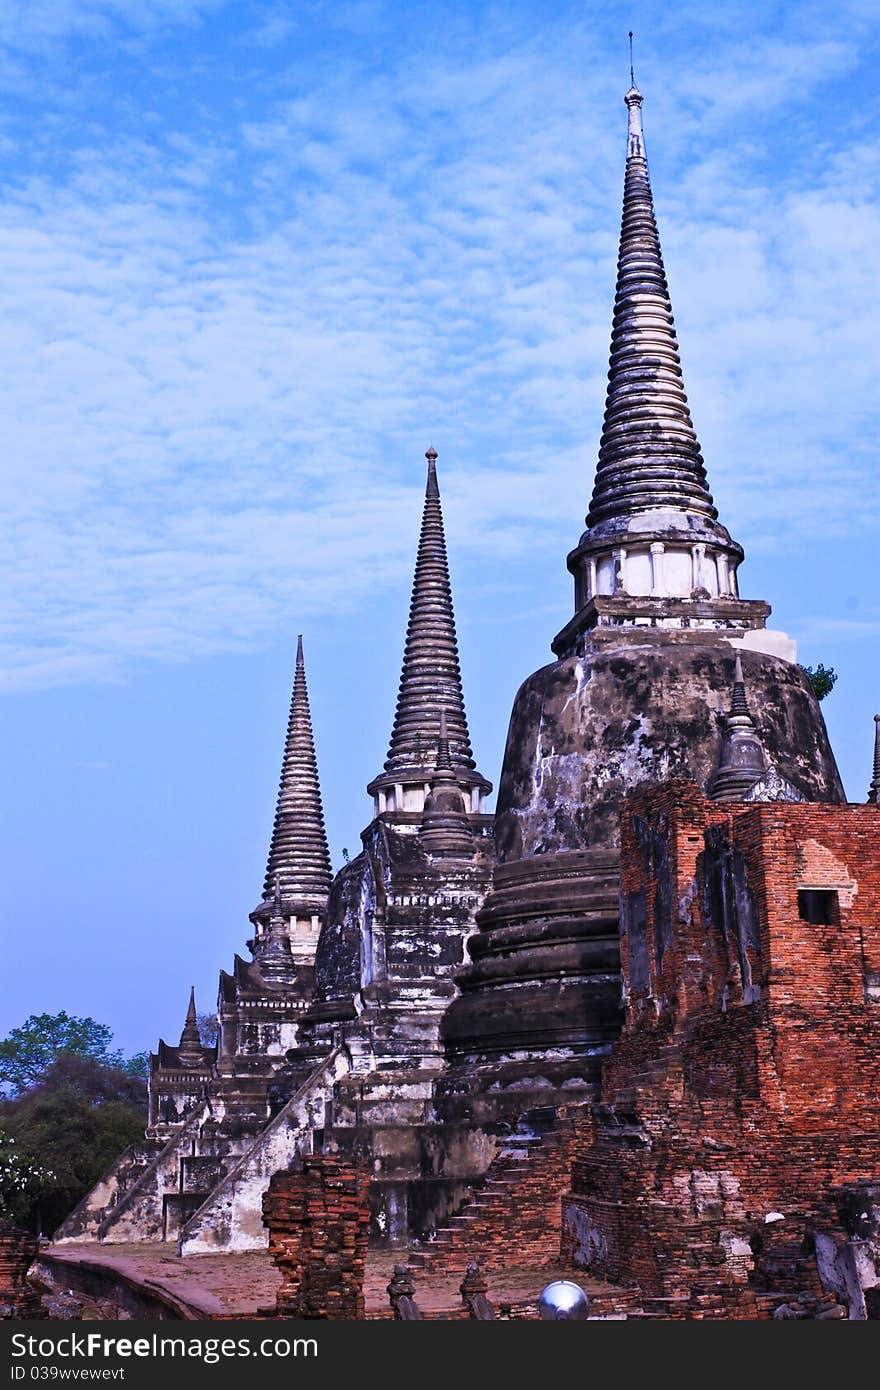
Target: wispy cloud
point(32, 24)
point(227, 341)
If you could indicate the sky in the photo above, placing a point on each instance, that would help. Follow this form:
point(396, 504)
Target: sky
point(254, 260)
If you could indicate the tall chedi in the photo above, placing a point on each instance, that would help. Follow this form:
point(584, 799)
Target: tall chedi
point(640, 691)
point(401, 905)
point(430, 681)
point(298, 871)
point(262, 1000)
point(399, 916)
point(209, 1107)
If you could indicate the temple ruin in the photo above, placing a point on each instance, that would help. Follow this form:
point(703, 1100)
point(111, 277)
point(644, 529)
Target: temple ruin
point(631, 1015)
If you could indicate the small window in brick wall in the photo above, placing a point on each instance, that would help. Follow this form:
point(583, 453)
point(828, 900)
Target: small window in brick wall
point(817, 906)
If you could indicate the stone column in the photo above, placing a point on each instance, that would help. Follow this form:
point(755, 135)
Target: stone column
point(619, 558)
point(591, 570)
point(723, 572)
point(698, 555)
point(657, 576)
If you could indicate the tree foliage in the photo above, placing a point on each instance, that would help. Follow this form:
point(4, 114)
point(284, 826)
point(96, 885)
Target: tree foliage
point(822, 680)
point(22, 1181)
point(71, 1125)
point(209, 1029)
point(72, 1105)
point(29, 1051)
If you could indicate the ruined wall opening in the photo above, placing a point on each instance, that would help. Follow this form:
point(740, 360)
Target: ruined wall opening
point(818, 906)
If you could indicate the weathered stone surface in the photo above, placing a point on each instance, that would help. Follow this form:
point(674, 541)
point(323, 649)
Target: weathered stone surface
point(642, 706)
point(90, 1216)
point(539, 1002)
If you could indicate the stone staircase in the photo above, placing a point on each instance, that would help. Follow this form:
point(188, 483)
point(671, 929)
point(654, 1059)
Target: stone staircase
point(227, 1214)
point(516, 1211)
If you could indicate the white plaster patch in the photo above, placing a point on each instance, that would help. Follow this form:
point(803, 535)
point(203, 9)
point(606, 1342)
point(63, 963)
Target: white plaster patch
point(816, 867)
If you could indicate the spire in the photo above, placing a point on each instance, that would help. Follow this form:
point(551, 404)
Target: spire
point(874, 789)
point(445, 832)
point(299, 860)
point(653, 533)
point(739, 708)
point(430, 679)
point(190, 1049)
point(742, 762)
point(649, 454)
point(272, 950)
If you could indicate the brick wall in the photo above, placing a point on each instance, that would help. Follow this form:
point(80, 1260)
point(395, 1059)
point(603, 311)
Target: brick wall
point(746, 1084)
point(318, 1220)
point(515, 1217)
point(18, 1250)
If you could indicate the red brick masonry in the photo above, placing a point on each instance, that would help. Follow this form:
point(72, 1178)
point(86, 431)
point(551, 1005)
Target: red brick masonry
point(736, 1166)
point(318, 1222)
point(515, 1216)
point(18, 1249)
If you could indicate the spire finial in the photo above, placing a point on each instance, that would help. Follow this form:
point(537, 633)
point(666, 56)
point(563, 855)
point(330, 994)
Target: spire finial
point(739, 707)
point(431, 488)
point(742, 762)
point(444, 761)
point(445, 831)
point(190, 1048)
point(635, 143)
point(632, 80)
point(874, 789)
point(431, 485)
point(298, 870)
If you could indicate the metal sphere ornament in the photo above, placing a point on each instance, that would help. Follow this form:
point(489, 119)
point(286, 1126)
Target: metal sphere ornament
point(563, 1300)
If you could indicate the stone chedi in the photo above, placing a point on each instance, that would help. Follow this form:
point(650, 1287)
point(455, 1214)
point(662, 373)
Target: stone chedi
point(640, 691)
point(298, 871)
point(178, 1075)
point(430, 681)
point(399, 912)
point(398, 920)
point(361, 1076)
point(209, 1106)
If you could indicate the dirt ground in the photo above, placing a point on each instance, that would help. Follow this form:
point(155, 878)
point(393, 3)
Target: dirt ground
point(242, 1285)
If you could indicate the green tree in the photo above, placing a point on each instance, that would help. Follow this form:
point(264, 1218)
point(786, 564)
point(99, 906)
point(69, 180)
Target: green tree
point(66, 1130)
point(30, 1050)
point(823, 679)
point(22, 1181)
point(209, 1029)
point(137, 1065)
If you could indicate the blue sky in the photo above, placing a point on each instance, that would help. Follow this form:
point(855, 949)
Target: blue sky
point(253, 260)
